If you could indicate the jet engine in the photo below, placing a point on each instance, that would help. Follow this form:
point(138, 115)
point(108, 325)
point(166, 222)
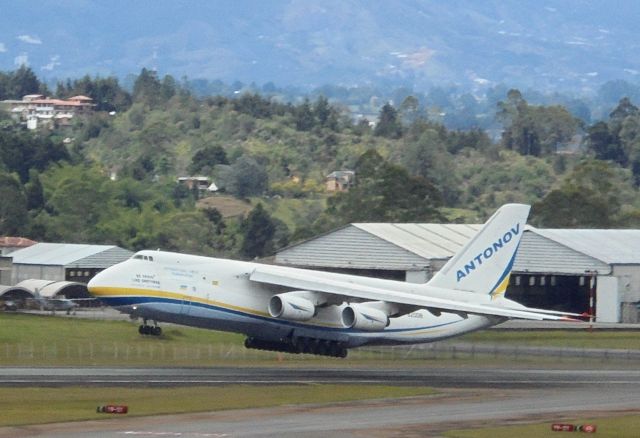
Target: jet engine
point(363, 317)
point(295, 306)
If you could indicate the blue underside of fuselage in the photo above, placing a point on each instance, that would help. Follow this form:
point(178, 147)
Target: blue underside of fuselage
point(204, 315)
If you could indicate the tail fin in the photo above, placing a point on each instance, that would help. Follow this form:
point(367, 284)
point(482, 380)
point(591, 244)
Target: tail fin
point(485, 262)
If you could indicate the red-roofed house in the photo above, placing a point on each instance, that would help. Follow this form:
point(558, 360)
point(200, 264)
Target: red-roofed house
point(35, 109)
point(10, 244)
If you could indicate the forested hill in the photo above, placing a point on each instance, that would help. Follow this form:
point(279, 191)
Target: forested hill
point(111, 177)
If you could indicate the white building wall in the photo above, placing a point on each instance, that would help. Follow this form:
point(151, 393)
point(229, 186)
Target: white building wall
point(418, 277)
point(607, 300)
point(629, 287)
point(42, 272)
point(630, 274)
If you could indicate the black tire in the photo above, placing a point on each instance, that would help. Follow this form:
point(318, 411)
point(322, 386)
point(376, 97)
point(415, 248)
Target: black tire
point(141, 329)
point(156, 331)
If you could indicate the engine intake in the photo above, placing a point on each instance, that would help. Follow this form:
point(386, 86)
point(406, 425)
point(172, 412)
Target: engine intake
point(295, 306)
point(362, 317)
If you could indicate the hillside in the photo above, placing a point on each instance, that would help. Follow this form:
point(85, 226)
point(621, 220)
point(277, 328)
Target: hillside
point(112, 176)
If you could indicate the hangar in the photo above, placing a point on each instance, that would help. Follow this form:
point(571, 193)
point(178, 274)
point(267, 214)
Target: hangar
point(32, 288)
point(595, 271)
point(52, 269)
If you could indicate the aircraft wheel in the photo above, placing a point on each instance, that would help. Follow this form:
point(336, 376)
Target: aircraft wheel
point(156, 331)
point(141, 329)
point(324, 348)
point(305, 346)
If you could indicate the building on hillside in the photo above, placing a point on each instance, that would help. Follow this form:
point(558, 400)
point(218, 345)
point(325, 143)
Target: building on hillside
point(340, 180)
point(553, 269)
point(35, 110)
point(202, 183)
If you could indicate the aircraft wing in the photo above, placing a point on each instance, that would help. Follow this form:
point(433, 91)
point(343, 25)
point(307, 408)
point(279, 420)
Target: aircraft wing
point(351, 291)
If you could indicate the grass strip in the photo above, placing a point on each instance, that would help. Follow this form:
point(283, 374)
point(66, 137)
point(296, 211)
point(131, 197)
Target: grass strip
point(28, 406)
point(626, 426)
point(44, 340)
point(574, 338)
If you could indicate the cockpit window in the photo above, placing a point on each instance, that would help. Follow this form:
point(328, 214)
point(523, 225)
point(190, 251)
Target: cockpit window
point(142, 257)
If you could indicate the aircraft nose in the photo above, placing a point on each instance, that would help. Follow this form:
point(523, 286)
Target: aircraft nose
point(99, 282)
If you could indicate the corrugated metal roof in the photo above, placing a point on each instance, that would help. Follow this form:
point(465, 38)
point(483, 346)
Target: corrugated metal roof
point(430, 241)
point(609, 246)
point(542, 255)
point(380, 246)
point(351, 247)
point(409, 246)
point(70, 254)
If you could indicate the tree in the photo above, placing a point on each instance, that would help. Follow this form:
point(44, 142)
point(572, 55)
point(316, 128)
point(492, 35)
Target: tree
point(168, 87)
point(409, 109)
point(77, 200)
point(605, 144)
point(21, 151)
point(303, 116)
point(388, 124)
point(259, 230)
point(23, 82)
point(34, 192)
point(589, 197)
point(534, 130)
point(385, 192)
point(13, 207)
point(245, 177)
point(624, 109)
point(106, 93)
point(617, 140)
point(147, 88)
point(428, 158)
point(207, 158)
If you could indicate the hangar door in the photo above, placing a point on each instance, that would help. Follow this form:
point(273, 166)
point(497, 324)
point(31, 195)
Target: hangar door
point(567, 293)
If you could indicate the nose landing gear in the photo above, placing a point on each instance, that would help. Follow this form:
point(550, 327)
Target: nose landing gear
point(153, 330)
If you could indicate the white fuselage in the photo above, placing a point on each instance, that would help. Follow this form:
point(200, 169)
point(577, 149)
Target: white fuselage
point(218, 294)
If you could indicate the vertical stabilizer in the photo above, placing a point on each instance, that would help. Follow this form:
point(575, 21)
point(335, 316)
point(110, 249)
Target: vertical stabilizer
point(485, 262)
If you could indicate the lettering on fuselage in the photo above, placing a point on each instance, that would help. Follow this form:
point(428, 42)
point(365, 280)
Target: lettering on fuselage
point(146, 280)
point(489, 252)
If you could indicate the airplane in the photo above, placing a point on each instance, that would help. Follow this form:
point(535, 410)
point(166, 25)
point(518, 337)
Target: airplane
point(54, 304)
point(296, 310)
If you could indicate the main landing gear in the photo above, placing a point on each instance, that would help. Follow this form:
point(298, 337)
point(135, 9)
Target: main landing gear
point(153, 330)
point(299, 345)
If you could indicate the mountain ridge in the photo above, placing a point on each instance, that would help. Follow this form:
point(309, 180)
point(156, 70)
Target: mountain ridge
point(553, 45)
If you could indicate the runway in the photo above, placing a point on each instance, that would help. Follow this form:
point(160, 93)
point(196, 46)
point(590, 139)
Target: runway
point(463, 377)
point(468, 396)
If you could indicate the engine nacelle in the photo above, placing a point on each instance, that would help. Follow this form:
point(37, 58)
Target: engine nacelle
point(294, 306)
point(363, 317)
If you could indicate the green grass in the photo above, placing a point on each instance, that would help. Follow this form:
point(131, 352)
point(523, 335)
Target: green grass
point(27, 339)
point(44, 340)
point(46, 405)
point(609, 427)
point(294, 212)
point(574, 338)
